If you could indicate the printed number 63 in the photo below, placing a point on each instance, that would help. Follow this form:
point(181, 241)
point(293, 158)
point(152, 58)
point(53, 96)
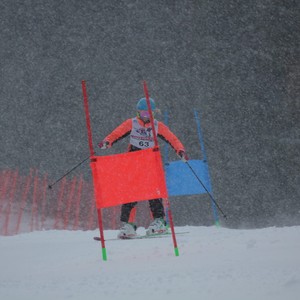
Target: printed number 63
point(144, 144)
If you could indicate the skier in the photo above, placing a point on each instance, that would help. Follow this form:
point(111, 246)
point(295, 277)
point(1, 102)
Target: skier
point(140, 134)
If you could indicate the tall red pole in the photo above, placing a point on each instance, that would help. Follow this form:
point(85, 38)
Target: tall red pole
point(151, 114)
point(92, 153)
point(146, 92)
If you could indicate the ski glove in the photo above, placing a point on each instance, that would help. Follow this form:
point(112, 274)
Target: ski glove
point(183, 156)
point(103, 145)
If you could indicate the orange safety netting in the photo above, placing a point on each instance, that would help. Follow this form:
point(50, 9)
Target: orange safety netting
point(128, 177)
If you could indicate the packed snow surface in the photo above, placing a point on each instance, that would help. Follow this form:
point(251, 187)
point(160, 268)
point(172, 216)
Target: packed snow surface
point(214, 263)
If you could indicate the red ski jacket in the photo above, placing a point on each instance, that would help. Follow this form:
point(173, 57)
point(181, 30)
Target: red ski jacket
point(163, 132)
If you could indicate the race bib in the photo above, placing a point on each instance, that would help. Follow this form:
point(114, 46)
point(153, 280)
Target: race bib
point(142, 137)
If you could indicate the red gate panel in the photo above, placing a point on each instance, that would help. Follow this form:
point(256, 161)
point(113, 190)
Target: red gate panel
point(128, 177)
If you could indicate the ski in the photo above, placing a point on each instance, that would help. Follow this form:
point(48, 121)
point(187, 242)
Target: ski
point(140, 237)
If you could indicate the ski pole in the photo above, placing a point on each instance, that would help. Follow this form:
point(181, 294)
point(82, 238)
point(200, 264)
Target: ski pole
point(59, 179)
point(210, 195)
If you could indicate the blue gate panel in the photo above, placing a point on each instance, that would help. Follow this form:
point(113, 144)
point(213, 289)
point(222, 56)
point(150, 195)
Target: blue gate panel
point(182, 181)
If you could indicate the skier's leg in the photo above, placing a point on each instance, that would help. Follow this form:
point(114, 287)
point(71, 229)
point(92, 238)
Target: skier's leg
point(158, 225)
point(157, 208)
point(125, 211)
point(127, 230)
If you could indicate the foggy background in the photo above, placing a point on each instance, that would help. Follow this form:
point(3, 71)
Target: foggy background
point(236, 62)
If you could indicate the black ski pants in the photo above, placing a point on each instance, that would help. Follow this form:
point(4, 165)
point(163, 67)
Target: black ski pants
point(156, 207)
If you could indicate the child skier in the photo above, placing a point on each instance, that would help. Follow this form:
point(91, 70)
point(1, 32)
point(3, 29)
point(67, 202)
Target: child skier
point(140, 134)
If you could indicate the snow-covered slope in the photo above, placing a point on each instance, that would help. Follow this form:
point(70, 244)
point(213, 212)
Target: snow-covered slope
point(214, 263)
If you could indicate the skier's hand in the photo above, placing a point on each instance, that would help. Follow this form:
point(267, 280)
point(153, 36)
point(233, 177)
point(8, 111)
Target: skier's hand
point(183, 156)
point(104, 145)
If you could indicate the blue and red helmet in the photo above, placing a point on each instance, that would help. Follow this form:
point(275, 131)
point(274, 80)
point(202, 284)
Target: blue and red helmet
point(142, 104)
point(142, 109)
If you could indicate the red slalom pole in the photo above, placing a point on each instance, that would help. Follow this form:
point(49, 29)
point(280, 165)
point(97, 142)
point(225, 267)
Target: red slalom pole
point(150, 112)
point(87, 118)
point(146, 92)
point(92, 153)
point(172, 227)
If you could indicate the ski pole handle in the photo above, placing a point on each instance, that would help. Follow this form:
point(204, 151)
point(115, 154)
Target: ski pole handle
point(183, 156)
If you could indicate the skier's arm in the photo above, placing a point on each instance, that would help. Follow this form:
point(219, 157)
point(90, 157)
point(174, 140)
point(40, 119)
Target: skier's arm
point(120, 132)
point(166, 134)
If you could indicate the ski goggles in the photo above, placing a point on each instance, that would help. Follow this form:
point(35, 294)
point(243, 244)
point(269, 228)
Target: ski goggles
point(144, 114)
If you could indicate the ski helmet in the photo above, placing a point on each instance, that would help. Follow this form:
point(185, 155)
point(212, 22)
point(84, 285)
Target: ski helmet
point(142, 104)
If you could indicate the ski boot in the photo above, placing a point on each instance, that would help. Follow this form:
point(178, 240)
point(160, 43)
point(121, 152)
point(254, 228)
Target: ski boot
point(127, 231)
point(158, 226)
